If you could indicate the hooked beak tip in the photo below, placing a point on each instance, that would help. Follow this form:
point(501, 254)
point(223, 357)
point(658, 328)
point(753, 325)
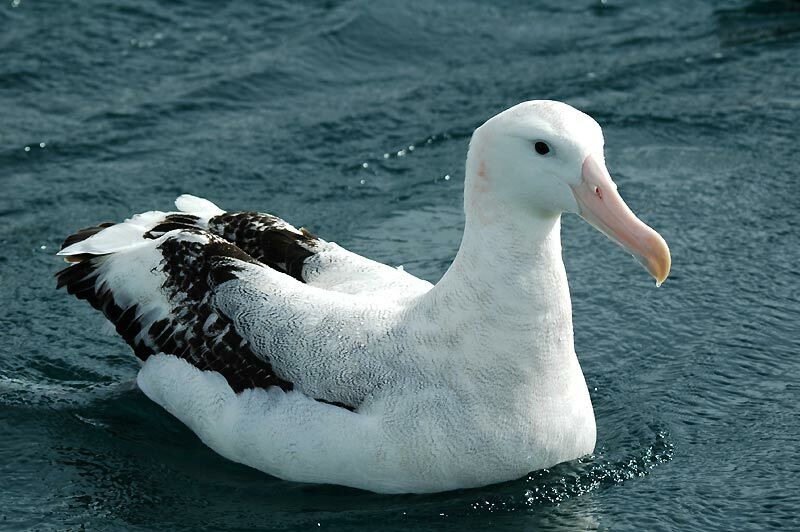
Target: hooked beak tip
point(658, 259)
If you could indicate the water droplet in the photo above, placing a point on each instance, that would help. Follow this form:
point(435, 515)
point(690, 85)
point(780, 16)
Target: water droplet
point(411, 148)
point(42, 145)
point(42, 247)
point(364, 165)
point(658, 284)
point(401, 153)
point(385, 155)
point(447, 177)
point(27, 148)
point(363, 181)
point(16, 3)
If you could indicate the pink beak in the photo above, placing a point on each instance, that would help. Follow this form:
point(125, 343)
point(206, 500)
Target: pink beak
point(603, 207)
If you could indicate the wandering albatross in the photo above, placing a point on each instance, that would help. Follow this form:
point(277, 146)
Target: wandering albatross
point(292, 355)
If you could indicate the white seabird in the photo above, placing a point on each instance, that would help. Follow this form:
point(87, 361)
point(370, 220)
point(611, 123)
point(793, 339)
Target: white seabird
point(296, 357)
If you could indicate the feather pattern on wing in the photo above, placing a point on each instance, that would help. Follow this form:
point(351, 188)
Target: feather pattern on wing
point(159, 290)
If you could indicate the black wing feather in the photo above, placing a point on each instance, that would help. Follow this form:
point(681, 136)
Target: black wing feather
point(267, 239)
point(194, 331)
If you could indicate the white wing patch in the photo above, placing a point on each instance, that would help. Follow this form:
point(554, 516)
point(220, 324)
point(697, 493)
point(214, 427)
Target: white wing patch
point(334, 268)
point(200, 207)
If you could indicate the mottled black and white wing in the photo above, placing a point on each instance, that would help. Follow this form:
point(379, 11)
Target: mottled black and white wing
point(159, 294)
point(243, 294)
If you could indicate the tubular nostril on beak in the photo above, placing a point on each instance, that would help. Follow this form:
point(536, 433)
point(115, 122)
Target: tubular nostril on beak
point(598, 192)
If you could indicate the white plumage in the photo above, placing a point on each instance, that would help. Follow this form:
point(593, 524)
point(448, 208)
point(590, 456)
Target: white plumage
point(371, 377)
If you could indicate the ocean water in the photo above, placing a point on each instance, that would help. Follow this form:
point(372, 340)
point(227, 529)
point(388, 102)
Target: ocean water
point(352, 118)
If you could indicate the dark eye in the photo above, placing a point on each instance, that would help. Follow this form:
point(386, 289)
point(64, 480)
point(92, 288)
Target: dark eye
point(542, 148)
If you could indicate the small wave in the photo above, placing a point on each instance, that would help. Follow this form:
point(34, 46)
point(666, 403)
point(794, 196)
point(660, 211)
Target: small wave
point(16, 391)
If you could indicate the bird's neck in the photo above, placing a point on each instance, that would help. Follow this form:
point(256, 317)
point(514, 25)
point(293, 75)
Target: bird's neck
point(507, 288)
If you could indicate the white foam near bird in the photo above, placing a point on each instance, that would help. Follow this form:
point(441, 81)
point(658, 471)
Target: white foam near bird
point(296, 357)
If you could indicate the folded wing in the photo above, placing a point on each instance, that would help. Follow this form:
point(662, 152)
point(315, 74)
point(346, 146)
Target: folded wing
point(226, 292)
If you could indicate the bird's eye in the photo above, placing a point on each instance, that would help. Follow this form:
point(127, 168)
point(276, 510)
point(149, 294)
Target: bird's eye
point(541, 148)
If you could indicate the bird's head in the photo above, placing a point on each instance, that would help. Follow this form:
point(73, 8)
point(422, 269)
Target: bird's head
point(541, 158)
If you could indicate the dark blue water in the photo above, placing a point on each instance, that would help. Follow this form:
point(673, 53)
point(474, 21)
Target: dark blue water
point(352, 119)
